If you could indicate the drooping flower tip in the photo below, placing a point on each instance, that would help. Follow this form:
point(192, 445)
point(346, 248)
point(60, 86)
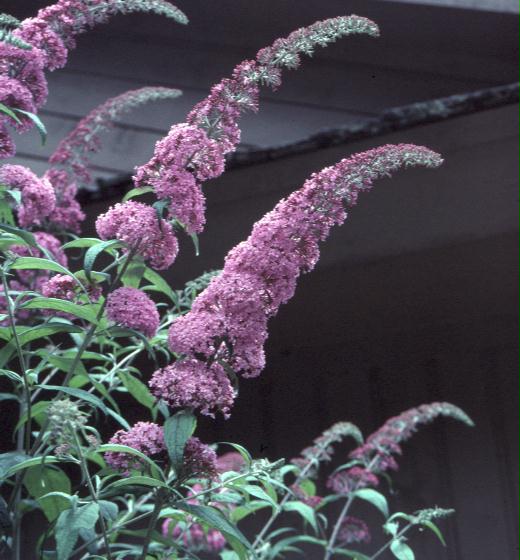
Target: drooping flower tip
point(137, 225)
point(133, 309)
point(146, 437)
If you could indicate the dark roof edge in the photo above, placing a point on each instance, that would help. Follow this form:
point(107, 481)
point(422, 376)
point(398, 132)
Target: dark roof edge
point(390, 120)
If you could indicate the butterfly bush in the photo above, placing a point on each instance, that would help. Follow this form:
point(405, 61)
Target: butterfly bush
point(133, 309)
point(111, 367)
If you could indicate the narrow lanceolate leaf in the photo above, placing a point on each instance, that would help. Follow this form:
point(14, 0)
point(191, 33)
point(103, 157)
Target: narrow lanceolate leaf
point(307, 513)
point(215, 519)
point(160, 284)
point(37, 263)
point(177, 430)
point(37, 122)
point(137, 389)
point(93, 252)
point(70, 523)
point(118, 448)
point(26, 236)
point(81, 311)
point(375, 498)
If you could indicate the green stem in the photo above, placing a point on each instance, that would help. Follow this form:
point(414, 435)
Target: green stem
point(23, 437)
point(397, 536)
point(86, 342)
point(92, 491)
point(315, 460)
point(159, 500)
point(335, 531)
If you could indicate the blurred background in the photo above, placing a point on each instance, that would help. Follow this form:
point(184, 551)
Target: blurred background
point(415, 298)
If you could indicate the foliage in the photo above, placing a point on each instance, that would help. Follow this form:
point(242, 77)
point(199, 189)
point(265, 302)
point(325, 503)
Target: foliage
point(77, 314)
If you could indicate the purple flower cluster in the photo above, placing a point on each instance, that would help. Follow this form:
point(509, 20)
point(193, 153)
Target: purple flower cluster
point(181, 160)
point(194, 152)
point(137, 225)
point(376, 453)
point(353, 530)
point(61, 286)
point(322, 449)
point(230, 461)
point(74, 150)
point(67, 213)
point(49, 35)
point(186, 384)
point(193, 536)
point(37, 195)
point(200, 459)
point(228, 320)
point(133, 309)
point(146, 437)
point(24, 280)
point(302, 496)
point(34, 279)
point(350, 480)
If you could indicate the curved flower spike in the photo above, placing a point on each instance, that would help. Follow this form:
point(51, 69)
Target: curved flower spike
point(228, 320)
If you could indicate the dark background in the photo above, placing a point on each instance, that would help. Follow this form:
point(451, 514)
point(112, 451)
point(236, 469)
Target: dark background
point(414, 299)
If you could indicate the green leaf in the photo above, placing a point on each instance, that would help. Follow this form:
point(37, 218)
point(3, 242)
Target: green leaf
point(257, 492)
point(375, 498)
point(241, 449)
point(37, 263)
point(137, 192)
point(64, 364)
point(241, 512)
point(160, 284)
point(70, 523)
point(196, 245)
point(10, 113)
point(35, 461)
point(81, 243)
point(94, 251)
point(81, 311)
point(177, 430)
point(6, 214)
point(38, 123)
point(9, 460)
point(401, 550)
point(133, 274)
point(88, 397)
point(109, 510)
point(26, 236)
point(431, 525)
point(34, 333)
point(305, 511)
point(137, 389)
point(215, 519)
point(391, 527)
point(41, 480)
point(138, 481)
point(117, 448)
